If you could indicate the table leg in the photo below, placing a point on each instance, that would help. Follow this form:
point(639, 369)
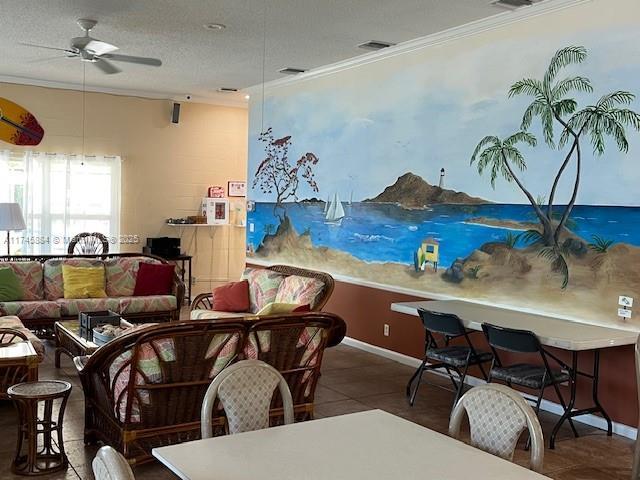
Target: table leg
point(573, 374)
point(189, 282)
point(596, 400)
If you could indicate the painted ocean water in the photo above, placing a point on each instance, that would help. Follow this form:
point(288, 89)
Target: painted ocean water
point(390, 233)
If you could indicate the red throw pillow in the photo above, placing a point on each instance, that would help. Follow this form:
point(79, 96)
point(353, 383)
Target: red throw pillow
point(154, 279)
point(302, 308)
point(232, 297)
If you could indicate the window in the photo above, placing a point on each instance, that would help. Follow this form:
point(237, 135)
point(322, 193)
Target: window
point(61, 196)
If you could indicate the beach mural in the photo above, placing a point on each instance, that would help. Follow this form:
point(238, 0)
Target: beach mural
point(516, 186)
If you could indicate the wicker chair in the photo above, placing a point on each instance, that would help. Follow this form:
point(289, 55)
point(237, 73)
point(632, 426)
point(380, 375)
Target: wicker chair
point(205, 301)
point(86, 243)
point(108, 464)
point(176, 362)
point(497, 416)
point(18, 370)
point(245, 390)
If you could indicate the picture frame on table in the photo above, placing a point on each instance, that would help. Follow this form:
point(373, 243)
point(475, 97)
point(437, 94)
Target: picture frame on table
point(237, 188)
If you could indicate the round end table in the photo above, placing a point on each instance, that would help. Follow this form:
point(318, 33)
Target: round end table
point(35, 457)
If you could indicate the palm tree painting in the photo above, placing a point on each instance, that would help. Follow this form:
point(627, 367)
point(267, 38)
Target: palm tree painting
point(556, 108)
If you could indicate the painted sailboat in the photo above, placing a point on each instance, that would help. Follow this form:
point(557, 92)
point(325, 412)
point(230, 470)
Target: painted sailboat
point(335, 212)
point(326, 205)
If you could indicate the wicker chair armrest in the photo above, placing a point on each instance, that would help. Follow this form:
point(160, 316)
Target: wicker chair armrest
point(178, 290)
point(80, 362)
point(204, 301)
point(12, 333)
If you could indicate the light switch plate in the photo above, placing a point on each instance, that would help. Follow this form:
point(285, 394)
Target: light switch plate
point(625, 301)
point(624, 313)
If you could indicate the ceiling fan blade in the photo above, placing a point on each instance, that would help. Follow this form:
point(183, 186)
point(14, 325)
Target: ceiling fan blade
point(153, 62)
point(47, 47)
point(98, 47)
point(106, 67)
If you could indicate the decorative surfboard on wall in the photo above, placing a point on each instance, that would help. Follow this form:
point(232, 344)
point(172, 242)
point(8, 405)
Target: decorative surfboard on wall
point(18, 126)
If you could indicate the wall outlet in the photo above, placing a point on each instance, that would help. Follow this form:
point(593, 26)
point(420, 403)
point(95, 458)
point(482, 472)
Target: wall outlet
point(385, 330)
point(625, 301)
point(624, 313)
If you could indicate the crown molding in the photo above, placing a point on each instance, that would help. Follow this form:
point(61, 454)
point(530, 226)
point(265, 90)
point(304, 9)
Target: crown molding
point(502, 19)
point(218, 99)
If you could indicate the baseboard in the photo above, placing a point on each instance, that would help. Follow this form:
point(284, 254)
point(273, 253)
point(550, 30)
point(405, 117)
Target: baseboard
point(546, 405)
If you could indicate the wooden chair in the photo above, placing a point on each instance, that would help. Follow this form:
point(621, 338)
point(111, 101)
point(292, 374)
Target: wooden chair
point(19, 368)
point(635, 475)
point(246, 390)
point(86, 243)
point(497, 417)
point(108, 464)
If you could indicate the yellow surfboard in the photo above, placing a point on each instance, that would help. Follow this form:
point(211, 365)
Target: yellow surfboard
point(18, 126)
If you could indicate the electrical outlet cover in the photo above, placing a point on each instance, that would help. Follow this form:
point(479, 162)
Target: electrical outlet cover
point(625, 301)
point(624, 313)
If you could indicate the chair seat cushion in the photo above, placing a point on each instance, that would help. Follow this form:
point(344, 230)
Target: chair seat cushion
point(153, 303)
point(32, 310)
point(527, 375)
point(215, 314)
point(70, 307)
point(14, 322)
point(457, 356)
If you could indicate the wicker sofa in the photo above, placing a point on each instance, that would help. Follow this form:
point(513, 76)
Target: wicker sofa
point(43, 301)
point(175, 363)
point(202, 305)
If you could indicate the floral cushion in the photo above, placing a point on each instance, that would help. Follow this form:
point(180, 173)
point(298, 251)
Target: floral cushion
point(154, 303)
point(223, 347)
point(213, 314)
point(299, 290)
point(31, 310)
point(15, 323)
point(30, 277)
point(121, 274)
point(53, 282)
point(263, 286)
point(70, 307)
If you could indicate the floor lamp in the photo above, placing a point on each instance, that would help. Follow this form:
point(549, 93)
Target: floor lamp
point(11, 219)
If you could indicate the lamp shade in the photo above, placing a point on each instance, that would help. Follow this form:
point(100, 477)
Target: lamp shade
point(11, 217)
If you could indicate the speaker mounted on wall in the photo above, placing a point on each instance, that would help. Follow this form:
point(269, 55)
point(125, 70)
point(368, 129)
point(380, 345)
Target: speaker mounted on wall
point(175, 113)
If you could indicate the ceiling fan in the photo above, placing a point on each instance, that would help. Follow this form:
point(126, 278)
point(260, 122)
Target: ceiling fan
point(92, 50)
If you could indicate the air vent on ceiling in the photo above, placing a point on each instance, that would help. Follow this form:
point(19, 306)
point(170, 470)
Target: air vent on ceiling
point(227, 89)
point(292, 71)
point(513, 4)
point(375, 45)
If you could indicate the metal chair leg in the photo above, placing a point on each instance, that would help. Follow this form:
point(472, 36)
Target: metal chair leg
point(418, 373)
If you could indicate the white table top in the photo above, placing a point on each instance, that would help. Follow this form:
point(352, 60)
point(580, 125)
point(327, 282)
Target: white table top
point(552, 332)
point(372, 445)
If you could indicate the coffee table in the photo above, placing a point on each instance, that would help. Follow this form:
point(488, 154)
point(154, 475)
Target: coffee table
point(69, 341)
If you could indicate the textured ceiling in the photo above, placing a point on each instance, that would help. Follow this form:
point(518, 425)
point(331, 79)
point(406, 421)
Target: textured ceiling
point(299, 33)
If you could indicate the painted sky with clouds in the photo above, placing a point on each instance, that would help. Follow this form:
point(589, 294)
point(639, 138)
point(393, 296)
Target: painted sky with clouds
point(425, 110)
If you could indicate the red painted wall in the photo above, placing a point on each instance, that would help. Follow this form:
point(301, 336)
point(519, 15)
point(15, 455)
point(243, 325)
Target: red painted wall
point(366, 310)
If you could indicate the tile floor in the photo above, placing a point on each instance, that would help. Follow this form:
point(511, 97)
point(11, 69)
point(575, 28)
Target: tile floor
point(352, 381)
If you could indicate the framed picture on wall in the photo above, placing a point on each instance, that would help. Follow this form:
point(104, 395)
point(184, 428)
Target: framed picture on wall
point(237, 189)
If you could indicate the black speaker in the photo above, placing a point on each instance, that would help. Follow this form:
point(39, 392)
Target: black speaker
point(165, 247)
point(175, 113)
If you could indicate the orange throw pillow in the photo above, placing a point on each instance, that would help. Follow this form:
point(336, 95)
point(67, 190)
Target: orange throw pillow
point(232, 297)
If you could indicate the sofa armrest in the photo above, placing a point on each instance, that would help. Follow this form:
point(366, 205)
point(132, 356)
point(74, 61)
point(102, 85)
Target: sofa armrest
point(204, 301)
point(80, 362)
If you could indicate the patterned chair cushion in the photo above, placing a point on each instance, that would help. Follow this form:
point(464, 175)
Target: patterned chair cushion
point(70, 307)
point(457, 356)
point(30, 277)
point(53, 282)
point(299, 290)
point(154, 303)
point(121, 273)
point(263, 287)
point(527, 375)
point(14, 322)
point(31, 310)
point(213, 314)
point(496, 422)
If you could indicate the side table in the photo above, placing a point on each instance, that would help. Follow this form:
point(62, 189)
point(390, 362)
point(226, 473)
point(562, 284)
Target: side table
point(34, 457)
